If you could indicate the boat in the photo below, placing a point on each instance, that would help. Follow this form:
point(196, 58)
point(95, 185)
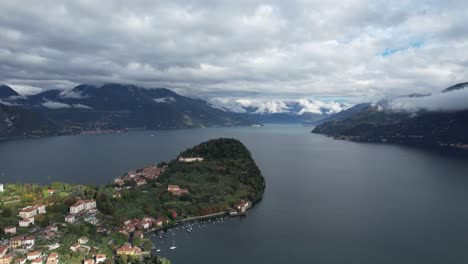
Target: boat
point(189, 230)
point(173, 245)
point(157, 250)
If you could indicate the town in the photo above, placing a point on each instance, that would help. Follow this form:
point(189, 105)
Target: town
point(63, 223)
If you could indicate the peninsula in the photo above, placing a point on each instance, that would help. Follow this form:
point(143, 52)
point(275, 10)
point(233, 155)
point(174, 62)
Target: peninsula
point(69, 223)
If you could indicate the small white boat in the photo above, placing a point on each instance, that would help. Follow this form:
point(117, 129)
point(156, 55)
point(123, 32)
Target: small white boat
point(157, 250)
point(173, 245)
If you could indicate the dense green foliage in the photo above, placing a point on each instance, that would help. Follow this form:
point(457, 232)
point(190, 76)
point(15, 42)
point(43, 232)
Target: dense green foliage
point(226, 175)
point(429, 128)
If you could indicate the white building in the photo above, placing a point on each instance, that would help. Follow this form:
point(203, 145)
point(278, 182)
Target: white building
point(9, 230)
point(31, 211)
point(190, 159)
point(82, 205)
point(1, 187)
point(70, 218)
point(26, 222)
point(34, 255)
point(101, 258)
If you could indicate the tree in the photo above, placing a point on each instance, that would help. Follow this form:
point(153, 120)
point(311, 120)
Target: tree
point(123, 259)
point(148, 245)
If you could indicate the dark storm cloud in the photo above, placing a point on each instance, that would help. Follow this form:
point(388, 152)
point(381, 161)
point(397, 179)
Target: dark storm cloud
point(245, 48)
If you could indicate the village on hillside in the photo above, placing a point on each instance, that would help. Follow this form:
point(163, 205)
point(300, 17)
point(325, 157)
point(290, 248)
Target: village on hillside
point(63, 223)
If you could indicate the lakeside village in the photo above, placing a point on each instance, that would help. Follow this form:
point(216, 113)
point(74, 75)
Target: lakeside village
point(56, 224)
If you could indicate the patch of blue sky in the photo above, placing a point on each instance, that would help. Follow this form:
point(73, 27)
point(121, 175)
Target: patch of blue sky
point(390, 51)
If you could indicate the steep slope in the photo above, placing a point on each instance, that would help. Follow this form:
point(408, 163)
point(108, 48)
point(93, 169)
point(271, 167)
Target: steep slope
point(380, 124)
point(15, 121)
point(455, 87)
point(344, 114)
point(117, 107)
point(7, 91)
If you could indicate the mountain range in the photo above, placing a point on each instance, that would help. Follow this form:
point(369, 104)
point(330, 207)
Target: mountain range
point(281, 111)
point(108, 107)
point(439, 119)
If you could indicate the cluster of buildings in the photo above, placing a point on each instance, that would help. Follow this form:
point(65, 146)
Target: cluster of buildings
point(27, 214)
point(189, 159)
point(80, 207)
point(140, 177)
point(240, 208)
point(101, 258)
point(142, 224)
point(22, 242)
point(81, 245)
point(176, 190)
point(128, 249)
point(25, 243)
point(33, 257)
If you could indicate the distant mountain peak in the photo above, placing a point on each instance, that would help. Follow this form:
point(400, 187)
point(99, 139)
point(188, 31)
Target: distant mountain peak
point(457, 86)
point(7, 91)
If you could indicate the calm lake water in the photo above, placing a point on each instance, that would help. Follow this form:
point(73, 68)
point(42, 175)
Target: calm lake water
point(326, 201)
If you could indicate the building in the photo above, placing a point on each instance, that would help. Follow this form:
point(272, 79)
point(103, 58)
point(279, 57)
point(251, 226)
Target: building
point(37, 261)
point(82, 205)
point(75, 247)
point(70, 218)
point(26, 222)
point(161, 220)
point(53, 246)
point(127, 249)
point(101, 258)
point(28, 241)
point(53, 258)
point(139, 234)
point(16, 242)
point(51, 228)
point(83, 240)
point(9, 230)
point(190, 159)
point(34, 255)
point(89, 261)
point(3, 251)
point(172, 188)
point(20, 261)
point(242, 206)
point(141, 182)
point(31, 211)
point(176, 190)
point(1, 187)
point(28, 212)
point(173, 214)
point(7, 259)
point(41, 209)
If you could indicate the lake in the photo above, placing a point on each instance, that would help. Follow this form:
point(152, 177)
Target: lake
point(326, 201)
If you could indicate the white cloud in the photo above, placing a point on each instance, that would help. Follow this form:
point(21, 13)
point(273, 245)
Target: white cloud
point(449, 101)
point(167, 100)
point(271, 106)
point(82, 106)
point(71, 94)
point(55, 105)
point(293, 49)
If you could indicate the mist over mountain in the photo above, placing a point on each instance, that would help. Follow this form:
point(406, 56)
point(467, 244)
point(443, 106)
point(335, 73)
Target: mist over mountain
point(281, 110)
point(7, 91)
point(117, 107)
point(438, 119)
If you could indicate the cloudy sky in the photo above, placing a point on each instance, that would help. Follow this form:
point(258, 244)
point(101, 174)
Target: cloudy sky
point(279, 49)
